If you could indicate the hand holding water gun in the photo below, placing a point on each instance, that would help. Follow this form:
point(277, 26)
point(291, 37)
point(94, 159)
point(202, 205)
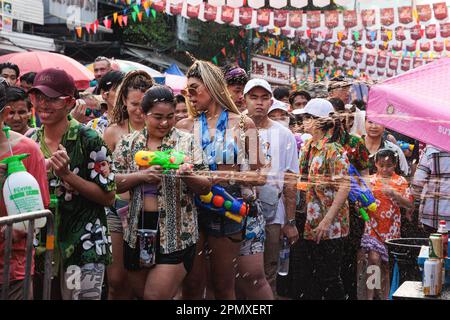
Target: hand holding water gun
point(405, 146)
point(221, 202)
point(359, 192)
point(169, 159)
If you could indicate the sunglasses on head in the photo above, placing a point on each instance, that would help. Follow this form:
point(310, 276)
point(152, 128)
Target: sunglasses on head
point(307, 116)
point(95, 112)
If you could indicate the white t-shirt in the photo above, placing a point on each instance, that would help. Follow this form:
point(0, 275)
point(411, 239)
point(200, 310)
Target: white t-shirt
point(279, 146)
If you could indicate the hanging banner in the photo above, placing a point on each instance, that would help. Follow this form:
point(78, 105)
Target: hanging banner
point(400, 33)
point(412, 47)
point(393, 63)
point(405, 15)
point(314, 45)
point(295, 19)
point(425, 46)
point(430, 31)
point(176, 8)
point(440, 10)
point(299, 33)
point(272, 70)
point(417, 63)
point(348, 53)
point(438, 46)
point(370, 60)
point(328, 34)
point(397, 46)
point(389, 73)
point(30, 10)
point(210, 13)
point(326, 47)
point(78, 11)
point(358, 57)
point(331, 19)
point(336, 51)
point(445, 29)
point(372, 71)
point(227, 14)
point(263, 17)
point(385, 34)
point(424, 12)
point(368, 17)
point(245, 15)
point(193, 11)
point(381, 62)
point(415, 32)
point(387, 16)
point(278, 4)
point(350, 19)
point(380, 72)
point(280, 18)
point(406, 64)
point(159, 6)
point(313, 19)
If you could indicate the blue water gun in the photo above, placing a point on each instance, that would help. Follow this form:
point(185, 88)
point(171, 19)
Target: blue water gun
point(359, 192)
point(405, 146)
point(221, 202)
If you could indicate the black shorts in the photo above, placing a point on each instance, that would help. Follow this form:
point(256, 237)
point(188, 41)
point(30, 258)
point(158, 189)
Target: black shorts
point(131, 255)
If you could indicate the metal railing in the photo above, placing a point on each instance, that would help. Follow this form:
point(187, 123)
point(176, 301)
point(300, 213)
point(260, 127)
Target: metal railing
point(31, 217)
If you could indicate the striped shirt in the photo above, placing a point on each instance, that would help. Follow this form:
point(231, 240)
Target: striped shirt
point(431, 185)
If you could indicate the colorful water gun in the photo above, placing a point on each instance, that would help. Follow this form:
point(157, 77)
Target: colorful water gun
point(169, 159)
point(221, 202)
point(359, 192)
point(405, 146)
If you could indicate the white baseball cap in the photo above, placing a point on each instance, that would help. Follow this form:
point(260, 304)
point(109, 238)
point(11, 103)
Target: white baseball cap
point(318, 107)
point(278, 105)
point(253, 83)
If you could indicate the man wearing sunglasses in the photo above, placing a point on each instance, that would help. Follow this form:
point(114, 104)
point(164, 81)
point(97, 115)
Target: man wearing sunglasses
point(81, 179)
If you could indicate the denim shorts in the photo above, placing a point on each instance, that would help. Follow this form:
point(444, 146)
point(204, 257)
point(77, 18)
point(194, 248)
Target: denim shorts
point(112, 217)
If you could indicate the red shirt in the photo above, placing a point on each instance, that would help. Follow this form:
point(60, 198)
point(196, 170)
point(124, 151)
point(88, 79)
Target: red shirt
point(36, 167)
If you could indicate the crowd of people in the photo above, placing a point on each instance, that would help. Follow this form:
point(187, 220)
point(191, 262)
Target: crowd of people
point(146, 232)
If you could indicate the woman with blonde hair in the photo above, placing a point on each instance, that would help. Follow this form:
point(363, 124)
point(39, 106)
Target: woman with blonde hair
point(126, 118)
point(222, 132)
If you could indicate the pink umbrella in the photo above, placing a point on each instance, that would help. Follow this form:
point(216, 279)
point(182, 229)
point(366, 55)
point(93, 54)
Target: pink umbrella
point(416, 103)
point(35, 61)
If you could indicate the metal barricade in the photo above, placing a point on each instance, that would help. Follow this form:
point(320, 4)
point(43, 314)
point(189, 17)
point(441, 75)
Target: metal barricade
point(31, 216)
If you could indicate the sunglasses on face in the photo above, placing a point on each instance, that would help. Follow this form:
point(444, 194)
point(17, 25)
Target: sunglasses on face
point(190, 91)
point(95, 112)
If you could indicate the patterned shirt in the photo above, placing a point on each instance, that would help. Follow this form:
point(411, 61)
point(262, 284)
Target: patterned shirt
point(384, 223)
point(431, 185)
point(356, 152)
point(327, 168)
point(178, 225)
point(99, 124)
point(81, 232)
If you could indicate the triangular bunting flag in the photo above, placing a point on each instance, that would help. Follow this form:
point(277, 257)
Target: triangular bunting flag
point(232, 42)
point(140, 16)
point(146, 5)
point(88, 27)
point(224, 52)
point(115, 17)
point(242, 33)
point(138, 2)
point(147, 11)
point(134, 16)
point(96, 24)
point(79, 31)
point(154, 13)
point(107, 23)
point(214, 60)
point(136, 8)
point(125, 20)
point(120, 19)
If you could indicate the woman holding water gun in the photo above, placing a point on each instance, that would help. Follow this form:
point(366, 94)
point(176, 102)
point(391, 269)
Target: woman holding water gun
point(159, 242)
point(391, 192)
point(220, 130)
point(126, 118)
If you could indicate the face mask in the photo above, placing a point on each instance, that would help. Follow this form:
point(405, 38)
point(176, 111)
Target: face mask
point(285, 122)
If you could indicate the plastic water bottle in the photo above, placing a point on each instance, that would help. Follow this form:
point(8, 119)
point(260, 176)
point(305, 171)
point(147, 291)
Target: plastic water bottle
point(283, 259)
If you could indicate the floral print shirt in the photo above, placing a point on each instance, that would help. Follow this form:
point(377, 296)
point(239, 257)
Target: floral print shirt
point(327, 168)
point(384, 224)
point(99, 124)
point(81, 232)
point(178, 224)
point(356, 151)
